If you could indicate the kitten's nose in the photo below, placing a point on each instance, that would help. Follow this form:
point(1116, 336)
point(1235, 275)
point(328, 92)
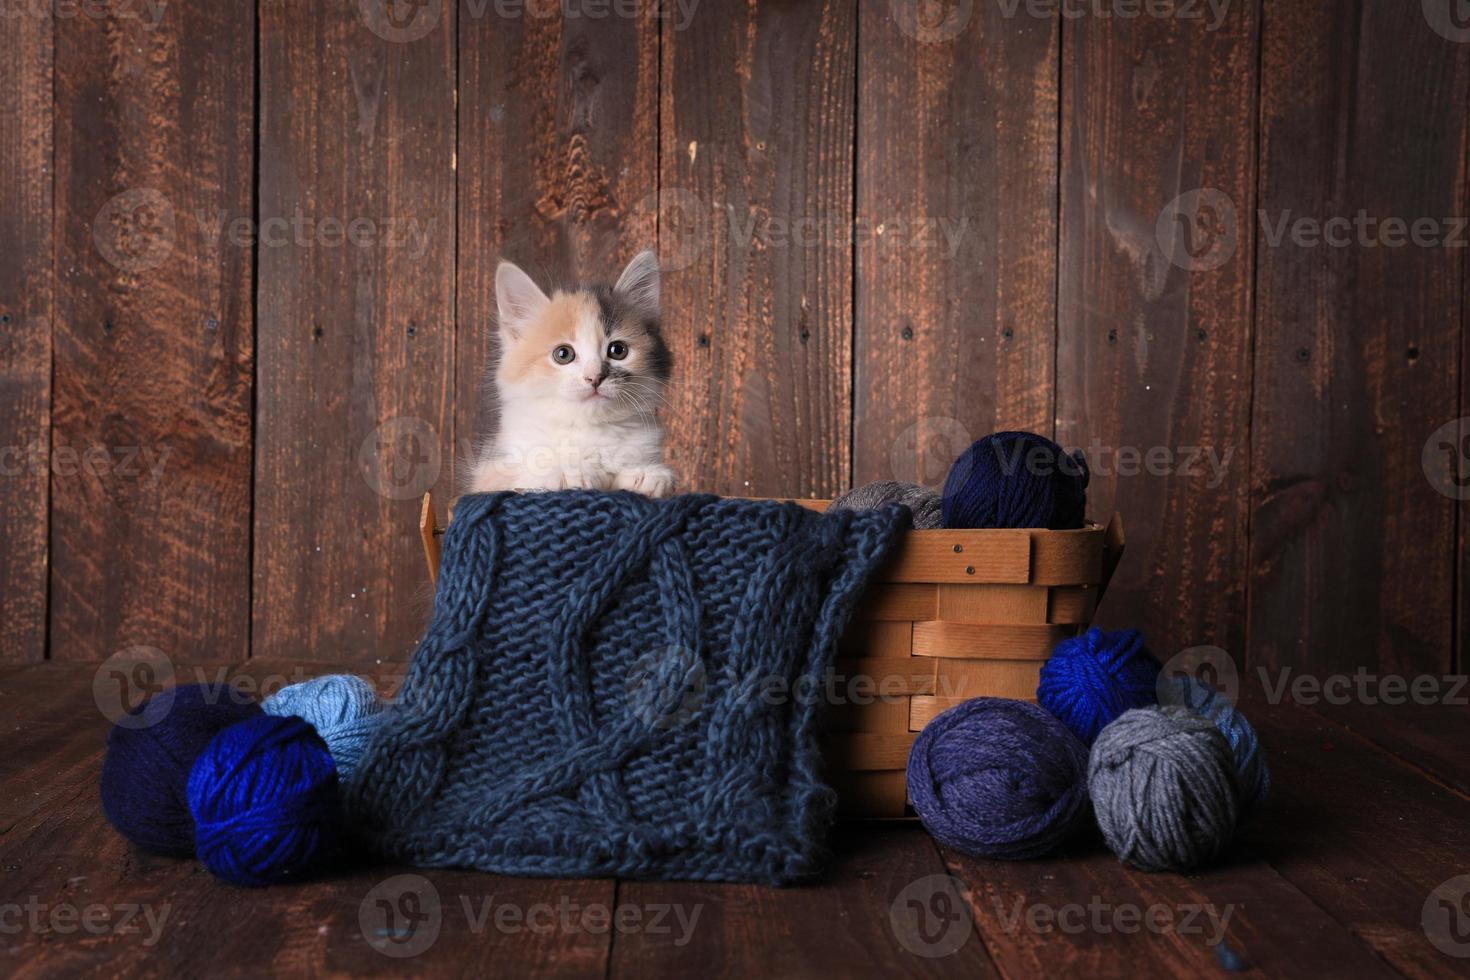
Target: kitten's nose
point(596, 382)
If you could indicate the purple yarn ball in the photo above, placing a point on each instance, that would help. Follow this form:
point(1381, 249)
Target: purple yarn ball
point(997, 778)
point(1016, 479)
point(145, 774)
point(1093, 678)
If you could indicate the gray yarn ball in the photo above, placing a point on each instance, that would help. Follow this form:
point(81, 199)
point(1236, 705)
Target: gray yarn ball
point(1164, 788)
point(924, 502)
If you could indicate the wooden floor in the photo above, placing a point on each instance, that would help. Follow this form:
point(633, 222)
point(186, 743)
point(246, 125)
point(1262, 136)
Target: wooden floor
point(1370, 815)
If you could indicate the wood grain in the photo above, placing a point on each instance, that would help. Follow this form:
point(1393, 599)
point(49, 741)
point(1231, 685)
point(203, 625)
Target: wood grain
point(957, 212)
point(1153, 359)
point(356, 330)
point(26, 277)
point(558, 168)
point(1358, 347)
point(756, 190)
point(153, 353)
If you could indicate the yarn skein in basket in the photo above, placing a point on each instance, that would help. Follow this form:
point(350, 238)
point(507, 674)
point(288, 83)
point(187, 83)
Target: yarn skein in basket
point(345, 711)
point(150, 751)
point(266, 801)
point(921, 501)
point(1163, 785)
point(997, 778)
point(1016, 479)
point(1091, 679)
point(1250, 757)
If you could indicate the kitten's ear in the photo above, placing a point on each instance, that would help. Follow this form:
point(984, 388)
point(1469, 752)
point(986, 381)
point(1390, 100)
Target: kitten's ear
point(639, 282)
point(518, 299)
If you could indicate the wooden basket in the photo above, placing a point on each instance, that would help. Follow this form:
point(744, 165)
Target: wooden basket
point(953, 615)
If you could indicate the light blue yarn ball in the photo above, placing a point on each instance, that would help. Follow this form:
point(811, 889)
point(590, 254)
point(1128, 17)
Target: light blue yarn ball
point(1250, 758)
point(344, 710)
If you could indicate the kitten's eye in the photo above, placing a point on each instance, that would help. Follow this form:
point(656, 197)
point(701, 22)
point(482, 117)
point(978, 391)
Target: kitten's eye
point(617, 350)
point(563, 354)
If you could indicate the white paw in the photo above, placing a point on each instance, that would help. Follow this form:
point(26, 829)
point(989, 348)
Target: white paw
point(651, 481)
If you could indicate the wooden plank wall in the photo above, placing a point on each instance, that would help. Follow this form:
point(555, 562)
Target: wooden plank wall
point(257, 239)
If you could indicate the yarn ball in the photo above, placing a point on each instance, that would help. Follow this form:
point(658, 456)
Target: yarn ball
point(1016, 479)
point(345, 711)
point(145, 773)
point(1164, 788)
point(921, 501)
point(1091, 679)
point(266, 801)
point(1250, 758)
point(997, 778)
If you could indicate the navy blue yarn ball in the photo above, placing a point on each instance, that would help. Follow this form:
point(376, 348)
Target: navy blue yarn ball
point(266, 802)
point(997, 778)
point(1091, 679)
point(1016, 479)
point(150, 752)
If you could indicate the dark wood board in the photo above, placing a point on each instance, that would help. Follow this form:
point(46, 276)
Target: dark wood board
point(1153, 353)
point(955, 235)
point(26, 278)
point(558, 169)
point(756, 129)
point(1358, 347)
point(354, 414)
point(153, 350)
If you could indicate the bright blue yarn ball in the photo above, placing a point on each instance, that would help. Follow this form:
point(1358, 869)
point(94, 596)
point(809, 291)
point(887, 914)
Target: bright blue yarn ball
point(1016, 479)
point(266, 802)
point(145, 774)
point(1092, 679)
point(345, 711)
point(1250, 758)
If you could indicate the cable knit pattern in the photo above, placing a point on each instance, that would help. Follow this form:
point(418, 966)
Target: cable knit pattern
point(603, 690)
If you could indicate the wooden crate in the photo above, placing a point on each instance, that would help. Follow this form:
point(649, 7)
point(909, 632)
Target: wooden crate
point(953, 615)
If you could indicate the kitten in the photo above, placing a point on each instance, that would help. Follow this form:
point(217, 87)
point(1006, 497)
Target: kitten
point(580, 375)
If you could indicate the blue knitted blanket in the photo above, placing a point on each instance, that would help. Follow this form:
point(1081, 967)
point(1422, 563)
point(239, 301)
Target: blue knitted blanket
point(618, 686)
